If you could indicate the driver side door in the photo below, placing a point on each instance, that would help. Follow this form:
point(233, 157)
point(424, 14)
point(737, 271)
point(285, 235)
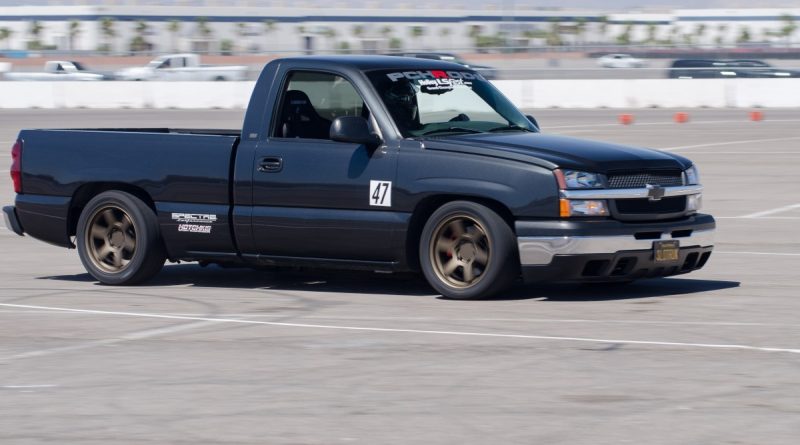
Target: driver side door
point(317, 198)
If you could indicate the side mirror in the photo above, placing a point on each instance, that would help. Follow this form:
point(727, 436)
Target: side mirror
point(532, 120)
point(354, 129)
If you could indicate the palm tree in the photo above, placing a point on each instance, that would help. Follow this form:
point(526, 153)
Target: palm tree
point(139, 42)
point(554, 34)
point(580, 28)
point(699, 32)
point(651, 32)
point(5, 34)
point(330, 35)
point(603, 21)
point(722, 28)
point(416, 33)
point(35, 31)
point(789, 27)
point(107, 29)
point(74, 32)
point(744, 35)
point(174, 27)
point(202, 27)
point(444, 33)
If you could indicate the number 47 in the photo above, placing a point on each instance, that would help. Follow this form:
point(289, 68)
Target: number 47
point(380, 193)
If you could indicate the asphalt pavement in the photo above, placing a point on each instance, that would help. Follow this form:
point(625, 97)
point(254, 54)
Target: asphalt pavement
point(237, 356)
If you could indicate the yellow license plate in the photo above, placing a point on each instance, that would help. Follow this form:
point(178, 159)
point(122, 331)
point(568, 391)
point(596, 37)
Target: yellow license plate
point(666, 251)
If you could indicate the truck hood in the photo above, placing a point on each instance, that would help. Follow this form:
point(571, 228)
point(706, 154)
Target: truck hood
point(553, 151)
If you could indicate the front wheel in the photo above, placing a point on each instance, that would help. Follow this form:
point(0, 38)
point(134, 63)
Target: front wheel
point(118, 239)
point(467, 251)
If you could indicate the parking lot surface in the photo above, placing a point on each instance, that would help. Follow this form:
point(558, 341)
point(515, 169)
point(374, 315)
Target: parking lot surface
point(239, 356)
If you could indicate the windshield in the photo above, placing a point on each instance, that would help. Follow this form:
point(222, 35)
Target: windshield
point(436, 102)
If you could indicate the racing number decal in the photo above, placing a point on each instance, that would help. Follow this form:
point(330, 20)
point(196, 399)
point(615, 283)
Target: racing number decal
point(380, 193)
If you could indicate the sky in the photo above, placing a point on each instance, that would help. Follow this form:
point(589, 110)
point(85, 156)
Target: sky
point(600, 5)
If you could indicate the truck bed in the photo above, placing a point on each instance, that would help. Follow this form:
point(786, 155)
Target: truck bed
point(182, 170)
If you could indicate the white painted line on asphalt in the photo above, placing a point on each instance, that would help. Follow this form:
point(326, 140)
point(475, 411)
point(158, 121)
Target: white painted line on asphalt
point(719, 144)
point(27, 386)
point(141, 335)
point(772, 211)
point(449, 319)
point(411, 331)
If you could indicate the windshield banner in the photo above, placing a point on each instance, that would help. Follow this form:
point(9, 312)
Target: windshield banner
point(433, 75)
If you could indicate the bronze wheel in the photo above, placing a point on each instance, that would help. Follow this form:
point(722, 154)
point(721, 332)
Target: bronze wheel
point(460, 251)
point(111, 239)
point(466, 250)
point(119, 240)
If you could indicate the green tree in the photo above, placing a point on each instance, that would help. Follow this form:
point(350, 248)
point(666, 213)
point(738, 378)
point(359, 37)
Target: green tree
point(108, 31)
point(203, 28)
point(74, 31)
point(580, 28)
point(554, 34)
point(744, 35)
point(417, 32)
point(652, 29)
point(624, 38)
point(357, 31)
point(139, 42)
point(5, 34)
point(174, 27)
point(722, 29)
point(789, 27)
point(700, 31)
point(35, 30)
point(603, 26)
point(444, 33)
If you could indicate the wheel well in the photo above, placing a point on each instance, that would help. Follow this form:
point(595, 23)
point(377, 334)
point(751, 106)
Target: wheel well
point(86, 192)
point(425, 209)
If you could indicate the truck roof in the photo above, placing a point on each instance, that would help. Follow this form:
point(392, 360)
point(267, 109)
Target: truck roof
point(366, 63)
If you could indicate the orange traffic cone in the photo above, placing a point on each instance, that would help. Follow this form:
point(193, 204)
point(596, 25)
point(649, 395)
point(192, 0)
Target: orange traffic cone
point(625, 119)
point(681, 117)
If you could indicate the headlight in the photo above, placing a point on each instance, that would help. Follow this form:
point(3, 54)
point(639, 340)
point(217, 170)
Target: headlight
point(573, 179)
point(692, 176)
point(581, 207)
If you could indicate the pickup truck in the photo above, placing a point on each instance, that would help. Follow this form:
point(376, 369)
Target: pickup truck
point(182, 67)
point(376, 163)
point(60, 70)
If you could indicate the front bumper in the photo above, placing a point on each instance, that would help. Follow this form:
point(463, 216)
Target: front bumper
point(608, 250)
point(11, 220)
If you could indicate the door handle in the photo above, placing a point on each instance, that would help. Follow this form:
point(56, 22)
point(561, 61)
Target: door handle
point(271, 164)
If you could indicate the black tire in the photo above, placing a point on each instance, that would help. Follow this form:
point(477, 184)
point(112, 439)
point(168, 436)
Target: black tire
point(118, 239)
point(467, 251)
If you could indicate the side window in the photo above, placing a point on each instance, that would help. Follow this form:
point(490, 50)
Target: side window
point(311, 101)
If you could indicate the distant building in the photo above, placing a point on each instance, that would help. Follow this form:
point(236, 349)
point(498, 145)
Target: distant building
point(160, 29)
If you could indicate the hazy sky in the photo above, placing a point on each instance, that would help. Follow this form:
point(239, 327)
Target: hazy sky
point(606, 5)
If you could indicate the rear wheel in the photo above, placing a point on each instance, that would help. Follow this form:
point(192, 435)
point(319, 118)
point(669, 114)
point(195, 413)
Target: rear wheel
point(118, 239)
point(468, 251)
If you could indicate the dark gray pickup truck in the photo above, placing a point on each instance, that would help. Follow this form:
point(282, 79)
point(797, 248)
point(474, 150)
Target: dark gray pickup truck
point(376, 163)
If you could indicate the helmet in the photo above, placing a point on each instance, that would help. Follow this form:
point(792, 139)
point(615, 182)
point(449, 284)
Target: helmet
point(402, 94)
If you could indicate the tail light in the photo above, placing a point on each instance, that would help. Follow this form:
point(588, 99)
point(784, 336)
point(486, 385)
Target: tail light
point(16, 166)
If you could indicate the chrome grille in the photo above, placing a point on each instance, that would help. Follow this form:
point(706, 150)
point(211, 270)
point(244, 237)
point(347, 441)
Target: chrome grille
point(639, 180)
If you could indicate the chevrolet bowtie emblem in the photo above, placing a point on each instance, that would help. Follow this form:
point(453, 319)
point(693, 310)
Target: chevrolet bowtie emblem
point(655, 192)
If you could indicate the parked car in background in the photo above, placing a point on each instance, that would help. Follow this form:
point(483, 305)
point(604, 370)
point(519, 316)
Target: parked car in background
point(725, 69)
point(182, 67)
point(487, 72)
point(60, 70)
point(620, 61)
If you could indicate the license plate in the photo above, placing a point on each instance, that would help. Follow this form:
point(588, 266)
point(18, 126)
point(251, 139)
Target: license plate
point(666, 251)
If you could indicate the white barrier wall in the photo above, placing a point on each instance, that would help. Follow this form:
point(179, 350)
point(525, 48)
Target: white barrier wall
point(602, 93)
